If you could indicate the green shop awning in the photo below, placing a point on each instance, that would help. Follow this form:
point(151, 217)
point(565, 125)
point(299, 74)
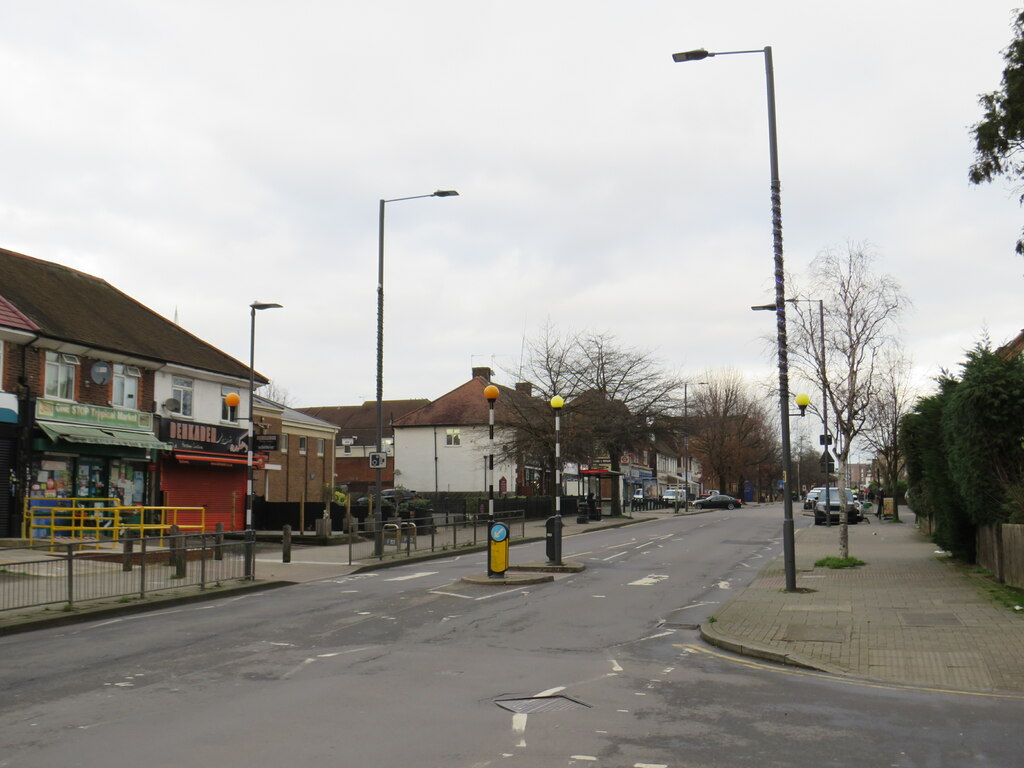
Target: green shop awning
point(77, 433)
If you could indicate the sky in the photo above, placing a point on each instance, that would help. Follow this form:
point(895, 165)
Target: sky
point(200, 156)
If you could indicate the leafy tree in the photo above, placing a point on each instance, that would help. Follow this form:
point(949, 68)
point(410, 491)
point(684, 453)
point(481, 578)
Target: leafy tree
point(982, 425)
point(934, 494)
point(999, 136)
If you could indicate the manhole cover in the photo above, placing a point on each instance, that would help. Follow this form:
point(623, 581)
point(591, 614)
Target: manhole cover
point(533, 704)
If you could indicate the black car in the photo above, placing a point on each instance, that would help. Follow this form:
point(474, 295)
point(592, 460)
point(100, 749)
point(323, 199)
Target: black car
point(718, 501)
point(853, 515)
point(391, 495)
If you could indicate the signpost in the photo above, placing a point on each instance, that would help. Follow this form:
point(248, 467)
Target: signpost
point(378, 460)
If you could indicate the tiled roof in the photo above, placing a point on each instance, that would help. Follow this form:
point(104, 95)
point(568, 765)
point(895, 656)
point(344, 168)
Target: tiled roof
point(463, 406)
point(1013, 348)
point(71, 306)
point(360, 421)
point(13, 318)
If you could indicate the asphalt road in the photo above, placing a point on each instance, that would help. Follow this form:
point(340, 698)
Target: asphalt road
point(410, 666)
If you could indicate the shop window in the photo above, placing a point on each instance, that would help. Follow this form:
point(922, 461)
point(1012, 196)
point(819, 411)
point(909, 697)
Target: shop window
point(181, 390)
point(60, 375)
point(126, 386)
point(452, 437)
point(228, 412)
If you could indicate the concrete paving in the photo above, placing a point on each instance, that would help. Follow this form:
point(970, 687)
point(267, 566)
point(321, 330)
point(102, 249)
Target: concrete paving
point(908, 616)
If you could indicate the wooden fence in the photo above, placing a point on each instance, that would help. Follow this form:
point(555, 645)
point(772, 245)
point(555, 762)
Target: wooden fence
point(1001, 551)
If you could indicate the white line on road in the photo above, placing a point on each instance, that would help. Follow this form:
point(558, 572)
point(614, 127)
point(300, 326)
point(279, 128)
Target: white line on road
point(550, 692)
point(615, 665)
point(519, 727)
point(450, 594)
point(412, 576)
point(617, 554)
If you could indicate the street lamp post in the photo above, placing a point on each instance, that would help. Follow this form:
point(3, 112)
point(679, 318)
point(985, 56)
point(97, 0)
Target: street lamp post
point(378, 542)
point(554, 532)
point(686, 442)
point(826, 438)
point(788, 540)
point(253, 308)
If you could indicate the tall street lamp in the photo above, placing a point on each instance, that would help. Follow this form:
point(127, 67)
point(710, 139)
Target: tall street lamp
point(826, 438)
point(378, 543)
point(686, 442)
point(788, 544)
point(253, 308)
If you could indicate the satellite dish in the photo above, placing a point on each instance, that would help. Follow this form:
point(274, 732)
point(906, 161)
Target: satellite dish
point(172, 404)
point(100, 372)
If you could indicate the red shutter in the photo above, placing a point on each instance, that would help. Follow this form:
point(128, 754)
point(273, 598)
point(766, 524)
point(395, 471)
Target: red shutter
point(220, 489)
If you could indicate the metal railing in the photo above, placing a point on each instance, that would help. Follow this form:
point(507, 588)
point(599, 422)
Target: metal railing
point(32, 576)
point(402, 538)
point(82, 521)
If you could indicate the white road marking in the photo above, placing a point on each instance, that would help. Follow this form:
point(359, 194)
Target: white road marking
point(449, 594)
point(723, 585)
point(615, 665)
point(617, 554)
point(660, 634)
point(583, 757)
point(647, 581)
point(296, 668)
point(649, 765)
point(599, 595)
point(519, 727)
point(550, 691)
point(412, 576)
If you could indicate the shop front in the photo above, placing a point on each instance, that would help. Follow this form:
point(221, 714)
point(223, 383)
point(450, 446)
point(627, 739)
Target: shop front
point(91, 452)
point(8, 461)
point(206, 467)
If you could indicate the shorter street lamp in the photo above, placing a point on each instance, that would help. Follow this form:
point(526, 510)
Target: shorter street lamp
point(491, 394)
point(554, 524)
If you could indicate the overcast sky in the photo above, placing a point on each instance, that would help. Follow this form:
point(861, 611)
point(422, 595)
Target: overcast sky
point(203, 155)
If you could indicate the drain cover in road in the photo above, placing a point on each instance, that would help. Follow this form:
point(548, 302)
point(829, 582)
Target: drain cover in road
point(534, 704)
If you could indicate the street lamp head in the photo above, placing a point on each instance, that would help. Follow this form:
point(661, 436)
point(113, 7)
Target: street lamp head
point(697, 55)
point(491, 393)
point(557, 402)
point(764, 308)
point(802, 401)
point(260, 305)
point(446, 193)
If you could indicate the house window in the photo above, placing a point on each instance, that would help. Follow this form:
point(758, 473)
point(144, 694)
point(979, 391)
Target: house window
point(451, 437)
point(228, 412)
point(181, 390)
point(319, 446)
point(302, 444)
point(126, 386)
point(346, 449)
point(284, 443)
point(60, 375)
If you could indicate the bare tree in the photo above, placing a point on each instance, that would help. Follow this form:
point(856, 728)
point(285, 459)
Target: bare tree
point(614, 396)
point(861, 309)
point(733, 430)
point(893, 399)
point(276, 393)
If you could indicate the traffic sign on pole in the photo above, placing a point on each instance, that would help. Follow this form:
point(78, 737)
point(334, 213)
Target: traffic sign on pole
point(378, 460)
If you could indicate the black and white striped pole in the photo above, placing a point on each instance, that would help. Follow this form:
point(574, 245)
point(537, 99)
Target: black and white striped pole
point(497, 533)
point(554, 524)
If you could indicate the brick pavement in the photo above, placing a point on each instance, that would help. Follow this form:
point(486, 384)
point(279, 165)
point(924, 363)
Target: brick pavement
point(908, 616)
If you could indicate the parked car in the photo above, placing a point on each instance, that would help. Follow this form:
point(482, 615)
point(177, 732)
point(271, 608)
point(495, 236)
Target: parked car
point(812, 497)
point(391, 495)
point(718, 501)
point(853, 514)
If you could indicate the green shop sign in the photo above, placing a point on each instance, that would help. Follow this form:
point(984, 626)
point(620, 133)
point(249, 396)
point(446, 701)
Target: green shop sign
point(94, 415)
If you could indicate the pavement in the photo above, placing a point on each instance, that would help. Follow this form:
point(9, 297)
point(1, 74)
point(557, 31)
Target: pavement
point(908, 617)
